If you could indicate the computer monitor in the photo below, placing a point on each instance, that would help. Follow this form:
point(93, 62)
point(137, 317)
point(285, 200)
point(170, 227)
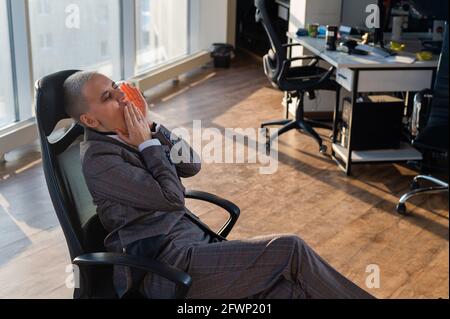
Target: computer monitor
point(419, 14)
point(354, 15)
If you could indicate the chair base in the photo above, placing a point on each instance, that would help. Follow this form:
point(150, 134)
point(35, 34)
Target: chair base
point(300, 123)
point(416, 190)
point(304, 126)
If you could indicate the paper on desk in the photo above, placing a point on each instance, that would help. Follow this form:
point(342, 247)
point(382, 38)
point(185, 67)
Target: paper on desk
point(373, 50)
point(401, 59)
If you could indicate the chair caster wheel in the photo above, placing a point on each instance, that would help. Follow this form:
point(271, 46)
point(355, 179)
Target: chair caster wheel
point(323, 149)
point(401, 209)
point(414, 185)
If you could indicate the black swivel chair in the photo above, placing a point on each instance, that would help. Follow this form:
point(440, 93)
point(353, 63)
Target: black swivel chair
point(433, 132)
point(296, 81)
point(74, 207)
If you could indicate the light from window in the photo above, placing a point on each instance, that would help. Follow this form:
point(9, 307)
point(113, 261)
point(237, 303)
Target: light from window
point(7, 107)
point(73, 31)
point(104, 51)
point(103, 13)
point(43, 7)
point(162, 31)
point(45, 41)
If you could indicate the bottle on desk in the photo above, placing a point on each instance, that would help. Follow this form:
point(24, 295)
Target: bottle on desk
point(331, 37)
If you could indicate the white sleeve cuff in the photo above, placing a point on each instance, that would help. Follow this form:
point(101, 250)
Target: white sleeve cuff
point(148, 143)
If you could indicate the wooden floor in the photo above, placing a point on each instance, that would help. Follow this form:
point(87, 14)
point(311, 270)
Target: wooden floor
point(351, 222)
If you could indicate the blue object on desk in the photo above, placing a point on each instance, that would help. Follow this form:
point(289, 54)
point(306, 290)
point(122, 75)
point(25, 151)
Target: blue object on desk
point(322, 31)
point(301, 32)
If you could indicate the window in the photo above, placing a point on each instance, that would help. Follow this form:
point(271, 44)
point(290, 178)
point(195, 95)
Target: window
point(43, 7)
point(119, 38)
point(45, 41)
point(103, 14)
point(162, 31)
point(104, 51)
point(7, 103)
point(72, 30)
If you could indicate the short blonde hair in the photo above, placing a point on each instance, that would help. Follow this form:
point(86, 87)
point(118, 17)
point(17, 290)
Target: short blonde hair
point(75, 101)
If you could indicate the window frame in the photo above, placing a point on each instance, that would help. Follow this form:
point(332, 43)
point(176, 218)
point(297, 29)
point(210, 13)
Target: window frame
point(12, 60)
point(22, 59)
point(192, 24)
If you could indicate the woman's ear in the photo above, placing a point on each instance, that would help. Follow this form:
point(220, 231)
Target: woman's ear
point(89, 121)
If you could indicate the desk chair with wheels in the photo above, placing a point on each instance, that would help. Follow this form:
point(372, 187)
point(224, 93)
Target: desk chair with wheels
point(433, 132)
point(296, 81)
point(74, 207)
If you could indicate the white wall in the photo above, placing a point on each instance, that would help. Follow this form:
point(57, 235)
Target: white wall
point(211, 24)
point(324, 12)
point(305, 12)
point(302, 13)
point(354, 12)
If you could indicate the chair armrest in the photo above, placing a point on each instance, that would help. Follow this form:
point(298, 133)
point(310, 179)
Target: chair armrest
point(286, 45)
point(422, 100)
point(325, 76)
point(286, 65)
point(308, 84)
point(231, 208)
point(304, 57)
point(182, 279)
point(425, 93)
point(424, 96)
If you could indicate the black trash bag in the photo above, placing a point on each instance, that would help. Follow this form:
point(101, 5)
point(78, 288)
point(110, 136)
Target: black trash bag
point(222, 53)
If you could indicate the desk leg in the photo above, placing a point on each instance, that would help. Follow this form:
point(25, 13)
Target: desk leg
point(348, 166)
point(336, 117)
point(287, 97)
point(286, 102)
point(289, 49)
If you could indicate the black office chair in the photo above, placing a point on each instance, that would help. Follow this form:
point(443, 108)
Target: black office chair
point(74, 207)
point(433, 131)
point(296, 81)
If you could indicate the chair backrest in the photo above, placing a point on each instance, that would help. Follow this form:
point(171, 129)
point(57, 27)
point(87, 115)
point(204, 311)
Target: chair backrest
point(277, 55)
point(435, 132)
point(62, 168)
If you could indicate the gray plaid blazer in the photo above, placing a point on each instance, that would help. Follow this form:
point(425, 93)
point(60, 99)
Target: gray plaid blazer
point(138, 194)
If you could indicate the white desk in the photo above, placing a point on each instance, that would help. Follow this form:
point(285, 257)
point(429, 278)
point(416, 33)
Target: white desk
point(376, 74)
point(367, 74)
point(343, 60)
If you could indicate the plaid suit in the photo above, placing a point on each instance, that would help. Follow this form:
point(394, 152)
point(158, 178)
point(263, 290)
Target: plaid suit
point(139, 195)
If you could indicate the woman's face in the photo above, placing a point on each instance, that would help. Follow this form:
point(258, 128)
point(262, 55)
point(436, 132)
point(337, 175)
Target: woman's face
point(105, 105)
